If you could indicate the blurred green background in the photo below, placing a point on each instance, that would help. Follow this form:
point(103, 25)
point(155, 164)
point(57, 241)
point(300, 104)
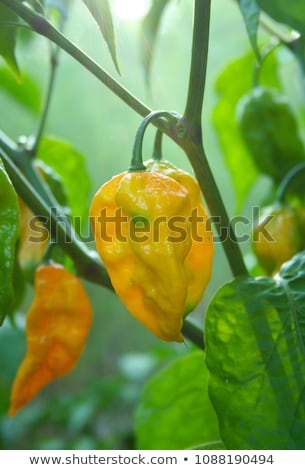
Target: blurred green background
point(93, 407)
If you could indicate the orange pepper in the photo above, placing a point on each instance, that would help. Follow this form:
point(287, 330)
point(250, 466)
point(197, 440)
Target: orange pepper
point(57, 326)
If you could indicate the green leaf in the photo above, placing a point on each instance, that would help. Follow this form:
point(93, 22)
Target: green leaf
point(233, 82)
point(148, 33)
point(175, 411)
point(101, 12)
point(8, 39)
point(255, 339)
point(291, 13)
point(26, 92)
point(69, 164)
point(9, 232)
point(251, 12)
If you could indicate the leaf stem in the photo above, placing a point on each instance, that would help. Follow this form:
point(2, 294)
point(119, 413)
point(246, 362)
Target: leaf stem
point(54, 53)
point(195, 334)
point(14, 24)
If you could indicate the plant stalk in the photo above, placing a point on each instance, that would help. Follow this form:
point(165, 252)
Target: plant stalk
point(192, 140)
point(45, 110)
point(200, 44)
point(217, 209)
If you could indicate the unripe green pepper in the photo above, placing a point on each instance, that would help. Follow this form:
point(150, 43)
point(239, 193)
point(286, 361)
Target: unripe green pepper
point(270, 131)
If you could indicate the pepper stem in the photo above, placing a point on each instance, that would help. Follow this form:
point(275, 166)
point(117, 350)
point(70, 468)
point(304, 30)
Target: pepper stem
point(157, 153)
point(286, 181)
point(137, 158)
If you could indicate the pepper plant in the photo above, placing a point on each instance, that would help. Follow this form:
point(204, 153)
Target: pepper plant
point(241, 385)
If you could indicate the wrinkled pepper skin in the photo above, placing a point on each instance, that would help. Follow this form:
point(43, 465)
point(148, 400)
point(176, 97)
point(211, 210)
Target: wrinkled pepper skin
point(57, 326)
point(9, 232)
point(148, 274)
point(287, 229)
point(199, 261)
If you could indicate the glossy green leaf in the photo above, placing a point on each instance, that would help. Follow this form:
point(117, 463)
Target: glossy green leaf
point(25, 92)
point(255, 339)
point(8, 38)
point(101, 12)
point(175, 411)
point(251, 12)
point(9, 232)
point(69, 164)
point(148, 33)
point(290, 12)
point(233, 82)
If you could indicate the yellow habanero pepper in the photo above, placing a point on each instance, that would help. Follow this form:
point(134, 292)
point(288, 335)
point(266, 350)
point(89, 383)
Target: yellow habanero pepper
point(57, 326)
point(130, 217)
point(142, 227)
point(198, 263)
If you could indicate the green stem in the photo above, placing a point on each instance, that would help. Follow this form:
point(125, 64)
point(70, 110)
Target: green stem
point(137, 158)
point(54, 53)
point(45, 110)
point(20, 157)
point(14, 24)
point(287, 180)
point(191, 142)
point(264, 56)
point(195, 334)
point(43, 27)
point(157, 152)
point(193, 108)
point(204, 175)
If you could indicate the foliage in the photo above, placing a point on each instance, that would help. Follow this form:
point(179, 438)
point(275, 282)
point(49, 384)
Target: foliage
point(246, 391)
